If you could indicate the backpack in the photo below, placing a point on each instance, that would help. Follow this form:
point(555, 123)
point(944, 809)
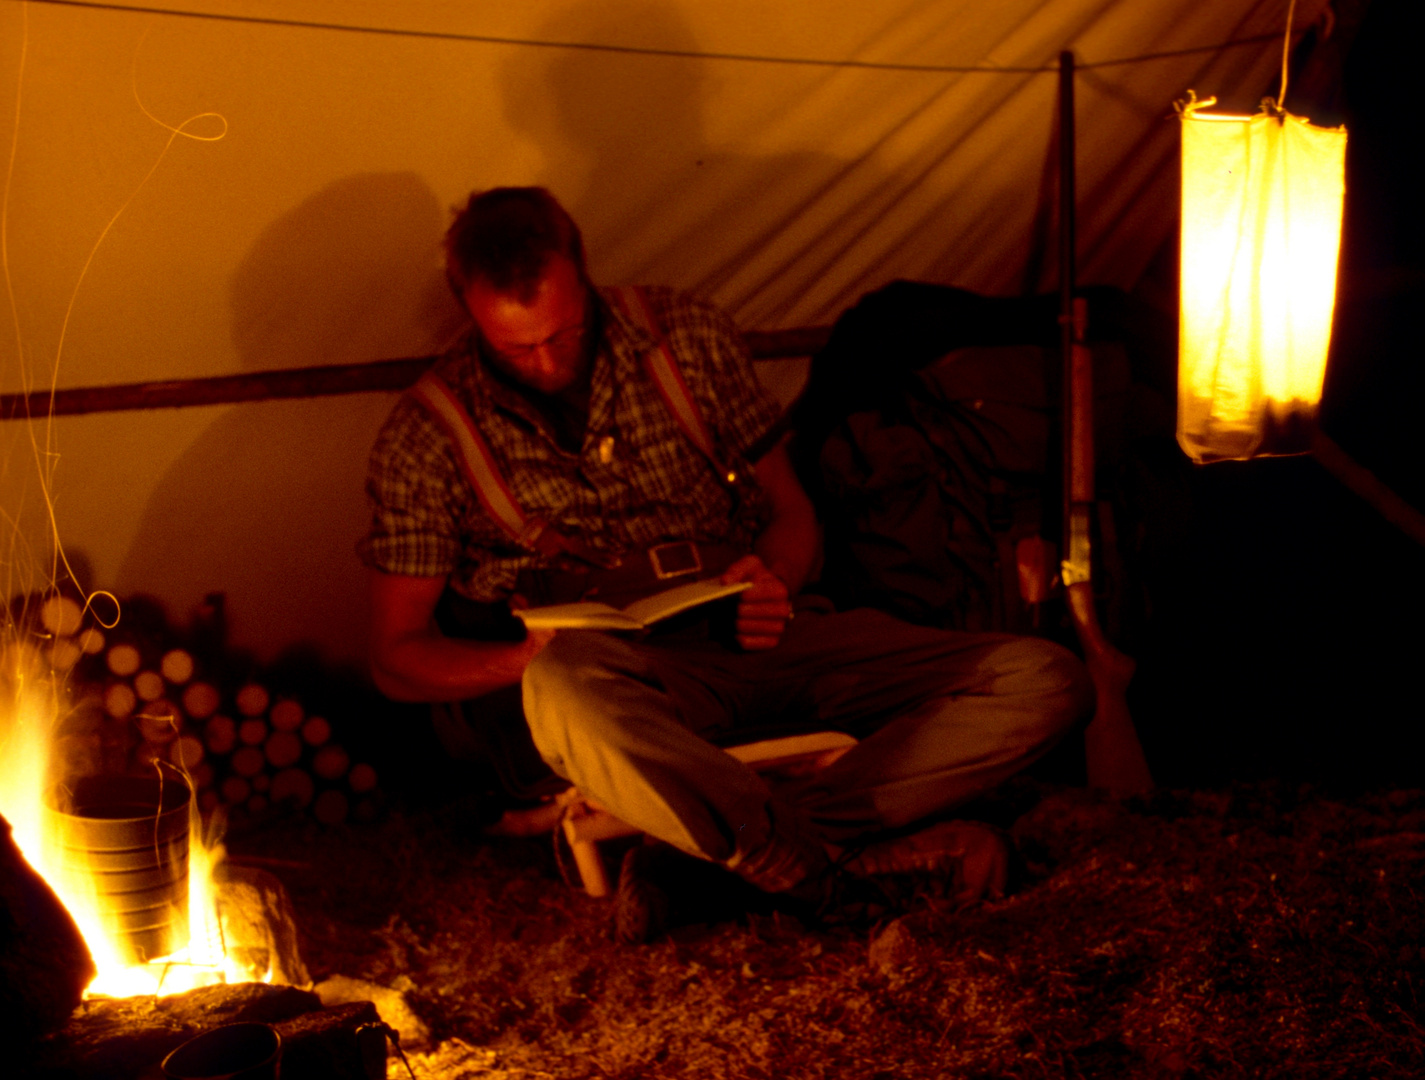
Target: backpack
point(928, 439)
point(927, 496)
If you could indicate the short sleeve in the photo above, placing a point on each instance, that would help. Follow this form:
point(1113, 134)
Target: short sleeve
point(410, 481)
point(726, 388)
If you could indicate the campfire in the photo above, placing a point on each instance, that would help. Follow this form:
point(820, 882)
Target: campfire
point(127, 855)
point(124, 851)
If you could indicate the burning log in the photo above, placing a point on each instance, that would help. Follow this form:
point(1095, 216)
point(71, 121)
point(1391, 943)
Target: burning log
point(258, 924)
point(345, 1042)
point(391, 1004)
point(113, 1037)
point(251, 1051)
point(44, 963)
point(110, 1037)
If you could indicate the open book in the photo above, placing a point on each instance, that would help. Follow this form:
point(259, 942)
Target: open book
point(590, 615)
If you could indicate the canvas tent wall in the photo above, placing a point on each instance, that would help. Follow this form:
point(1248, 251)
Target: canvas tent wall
point(220, 186)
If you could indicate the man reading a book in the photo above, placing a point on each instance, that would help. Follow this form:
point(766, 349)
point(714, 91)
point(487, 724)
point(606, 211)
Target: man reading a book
point(601, 443)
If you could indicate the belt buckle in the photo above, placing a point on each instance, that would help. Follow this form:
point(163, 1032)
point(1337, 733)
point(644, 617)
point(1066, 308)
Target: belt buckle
point(674, 559)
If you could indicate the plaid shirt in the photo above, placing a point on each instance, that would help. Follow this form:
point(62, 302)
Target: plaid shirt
point(637, 481)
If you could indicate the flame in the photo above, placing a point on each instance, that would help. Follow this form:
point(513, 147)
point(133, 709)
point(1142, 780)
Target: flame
point(32, 701)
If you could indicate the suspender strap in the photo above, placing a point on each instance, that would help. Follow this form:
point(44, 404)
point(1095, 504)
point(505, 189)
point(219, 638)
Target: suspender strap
point(483, 473)
point(475, 459)
point(663, 370)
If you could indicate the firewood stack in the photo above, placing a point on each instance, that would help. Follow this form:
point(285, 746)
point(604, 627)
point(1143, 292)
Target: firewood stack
point(140, 692)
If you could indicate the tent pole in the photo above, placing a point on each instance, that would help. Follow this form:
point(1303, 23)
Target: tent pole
point(1114, 755)
point(1067, 240)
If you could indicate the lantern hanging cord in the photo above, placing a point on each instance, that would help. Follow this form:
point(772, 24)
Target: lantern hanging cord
point(1286, 58)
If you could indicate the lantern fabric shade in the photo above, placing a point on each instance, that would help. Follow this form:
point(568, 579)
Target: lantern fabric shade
point(1261, 231)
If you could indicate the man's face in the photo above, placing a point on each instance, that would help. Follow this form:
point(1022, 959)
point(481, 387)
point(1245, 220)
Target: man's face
point(540, 341)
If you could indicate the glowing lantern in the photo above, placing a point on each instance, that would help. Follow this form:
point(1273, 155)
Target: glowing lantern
point(1261, 230)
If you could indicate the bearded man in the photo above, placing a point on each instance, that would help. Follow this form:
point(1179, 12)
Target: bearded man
point(550, 456)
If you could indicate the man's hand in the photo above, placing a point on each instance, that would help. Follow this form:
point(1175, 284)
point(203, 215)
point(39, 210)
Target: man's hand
point(411, 660)
point(535, 641)
point(763, 610)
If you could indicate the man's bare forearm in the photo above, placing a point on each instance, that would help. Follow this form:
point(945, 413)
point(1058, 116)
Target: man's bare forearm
point(790, 545)
point(431, 667)
point(411, 660)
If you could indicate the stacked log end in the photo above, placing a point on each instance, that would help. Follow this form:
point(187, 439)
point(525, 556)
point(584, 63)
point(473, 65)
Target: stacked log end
point(142, 694)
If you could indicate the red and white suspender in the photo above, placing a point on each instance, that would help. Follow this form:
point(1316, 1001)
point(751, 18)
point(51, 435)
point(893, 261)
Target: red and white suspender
point(483, 474)
point(476, 461)
point(663, 370)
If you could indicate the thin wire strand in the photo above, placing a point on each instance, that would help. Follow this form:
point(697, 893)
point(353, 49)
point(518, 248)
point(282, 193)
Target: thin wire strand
point(640, 50)
point(9, 181)
point(11, 562)
point(46, 457)
point(1286, 53)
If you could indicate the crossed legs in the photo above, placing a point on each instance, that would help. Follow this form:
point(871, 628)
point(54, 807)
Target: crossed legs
point(941, 716)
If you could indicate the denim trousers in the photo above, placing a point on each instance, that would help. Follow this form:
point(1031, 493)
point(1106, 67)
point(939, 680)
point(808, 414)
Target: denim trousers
point(941, 716)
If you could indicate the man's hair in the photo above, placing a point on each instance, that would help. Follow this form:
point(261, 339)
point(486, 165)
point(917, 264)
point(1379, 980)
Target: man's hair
point(507, 236)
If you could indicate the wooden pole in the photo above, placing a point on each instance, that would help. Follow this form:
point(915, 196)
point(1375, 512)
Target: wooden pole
point(1067, 247)
point(1114, 755)
point(1368, 486)
point(372, 377)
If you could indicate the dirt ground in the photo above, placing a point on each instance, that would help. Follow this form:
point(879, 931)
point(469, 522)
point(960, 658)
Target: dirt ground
point(1258, 931)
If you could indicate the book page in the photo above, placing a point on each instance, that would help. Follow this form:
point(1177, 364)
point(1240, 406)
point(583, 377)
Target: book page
point(661, 605)
point(591, 615)
point(582, 616)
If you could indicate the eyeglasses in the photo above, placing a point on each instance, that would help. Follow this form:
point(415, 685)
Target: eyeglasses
point(562, 341)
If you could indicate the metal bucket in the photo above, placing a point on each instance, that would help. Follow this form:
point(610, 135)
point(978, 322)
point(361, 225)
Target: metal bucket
point(124, 839)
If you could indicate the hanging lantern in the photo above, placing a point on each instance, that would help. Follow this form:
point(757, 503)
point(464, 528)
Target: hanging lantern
point(1261, 230)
